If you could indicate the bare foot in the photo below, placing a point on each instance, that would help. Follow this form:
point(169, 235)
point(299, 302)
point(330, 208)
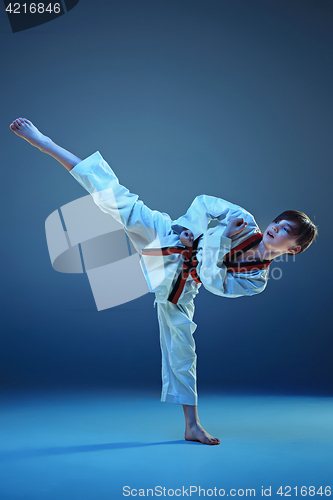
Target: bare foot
point(25, 129)
point(197, 433)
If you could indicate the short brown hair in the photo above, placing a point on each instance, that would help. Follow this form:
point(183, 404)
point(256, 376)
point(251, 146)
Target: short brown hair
point(305, 229)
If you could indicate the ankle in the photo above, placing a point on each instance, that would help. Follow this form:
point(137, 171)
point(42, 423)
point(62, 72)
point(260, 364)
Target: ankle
point(45, 144)
point(191, 423)
point(191, 416)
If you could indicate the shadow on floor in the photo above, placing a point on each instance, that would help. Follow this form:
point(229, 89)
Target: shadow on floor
point(67, 450)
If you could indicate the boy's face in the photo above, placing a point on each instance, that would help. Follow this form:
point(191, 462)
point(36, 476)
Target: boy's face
point(278, 237)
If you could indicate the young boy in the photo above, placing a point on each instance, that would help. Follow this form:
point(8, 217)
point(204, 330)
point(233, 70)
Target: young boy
point(231, 260)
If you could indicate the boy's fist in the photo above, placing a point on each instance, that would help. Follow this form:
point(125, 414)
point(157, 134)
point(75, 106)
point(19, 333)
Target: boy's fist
point(186, 238)
point(234, 226)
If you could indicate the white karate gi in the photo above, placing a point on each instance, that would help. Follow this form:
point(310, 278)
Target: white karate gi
point(146, 228)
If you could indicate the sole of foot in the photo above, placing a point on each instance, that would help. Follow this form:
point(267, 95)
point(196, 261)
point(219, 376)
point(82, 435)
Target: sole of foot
point(27, 130)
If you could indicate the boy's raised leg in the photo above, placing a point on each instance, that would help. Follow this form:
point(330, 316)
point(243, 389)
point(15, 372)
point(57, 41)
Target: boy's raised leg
point(25, 129)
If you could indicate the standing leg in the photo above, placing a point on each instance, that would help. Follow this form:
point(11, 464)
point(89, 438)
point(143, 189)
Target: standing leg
point(194, 431)
point(179, 365)
point(178, 353)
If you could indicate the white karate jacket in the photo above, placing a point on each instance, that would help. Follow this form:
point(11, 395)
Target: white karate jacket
point(213, 246)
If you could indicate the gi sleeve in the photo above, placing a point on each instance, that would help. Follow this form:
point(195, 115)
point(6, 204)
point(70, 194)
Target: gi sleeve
point(203, 209)
point(214, 276)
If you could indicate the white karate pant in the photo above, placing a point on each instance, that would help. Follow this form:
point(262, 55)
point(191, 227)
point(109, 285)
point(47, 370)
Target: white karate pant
point(179, 360)
point(175, 320)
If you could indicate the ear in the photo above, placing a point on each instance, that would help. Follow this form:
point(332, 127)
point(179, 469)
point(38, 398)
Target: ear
point(294, 250)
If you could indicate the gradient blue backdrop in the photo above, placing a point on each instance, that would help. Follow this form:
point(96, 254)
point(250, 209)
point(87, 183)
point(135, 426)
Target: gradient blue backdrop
point(231, 99)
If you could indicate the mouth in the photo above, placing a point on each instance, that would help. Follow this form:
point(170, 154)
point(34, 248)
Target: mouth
point(270, 234)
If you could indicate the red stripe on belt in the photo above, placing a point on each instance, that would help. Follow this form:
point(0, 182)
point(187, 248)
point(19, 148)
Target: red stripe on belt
point(189, 266)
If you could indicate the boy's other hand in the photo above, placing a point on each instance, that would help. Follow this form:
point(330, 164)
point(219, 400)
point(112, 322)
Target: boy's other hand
point(186, 238)
point(234, 226)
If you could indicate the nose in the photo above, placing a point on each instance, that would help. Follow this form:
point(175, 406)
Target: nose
point(275, 229)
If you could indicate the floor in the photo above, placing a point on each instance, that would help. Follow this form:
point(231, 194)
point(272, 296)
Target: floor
point(112, 445)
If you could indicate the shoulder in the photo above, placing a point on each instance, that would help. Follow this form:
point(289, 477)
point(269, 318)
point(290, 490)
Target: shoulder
point(245, 284)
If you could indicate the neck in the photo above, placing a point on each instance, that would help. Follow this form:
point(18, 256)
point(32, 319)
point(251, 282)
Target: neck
point(262, 253)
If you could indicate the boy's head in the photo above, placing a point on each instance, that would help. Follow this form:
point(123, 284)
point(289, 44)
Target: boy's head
point(302, 228)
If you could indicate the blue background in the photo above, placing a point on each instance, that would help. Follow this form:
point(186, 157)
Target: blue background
point(231, 99)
